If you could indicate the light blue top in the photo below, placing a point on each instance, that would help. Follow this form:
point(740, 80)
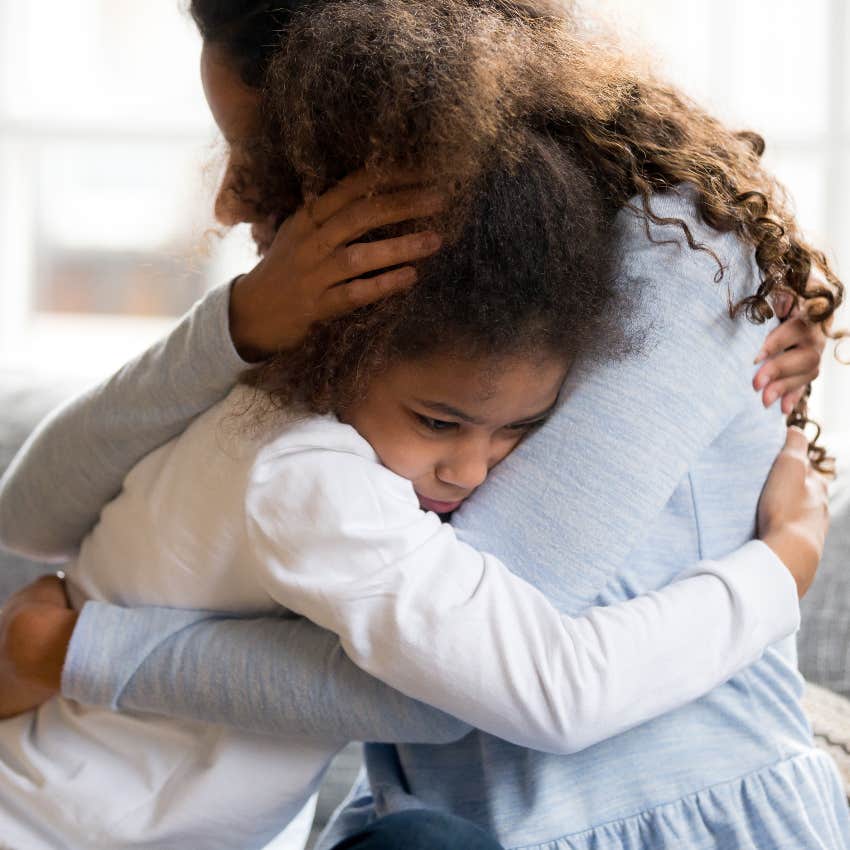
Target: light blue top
point(649, 465)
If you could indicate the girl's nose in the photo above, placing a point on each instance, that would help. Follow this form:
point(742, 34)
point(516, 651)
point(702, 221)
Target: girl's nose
point(465, 471)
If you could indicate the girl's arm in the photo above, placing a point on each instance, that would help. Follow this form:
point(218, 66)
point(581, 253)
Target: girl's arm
point(502, 659)
point(340, 540)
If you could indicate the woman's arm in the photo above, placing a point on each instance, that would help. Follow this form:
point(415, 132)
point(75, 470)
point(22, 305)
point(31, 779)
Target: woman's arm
point(76, 460)
point(271, 675)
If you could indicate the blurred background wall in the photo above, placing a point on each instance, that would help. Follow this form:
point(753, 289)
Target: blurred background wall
point(108, 158)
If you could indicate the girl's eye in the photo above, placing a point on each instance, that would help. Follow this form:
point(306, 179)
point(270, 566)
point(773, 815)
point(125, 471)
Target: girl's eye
point(522, 427)
point(435, 424)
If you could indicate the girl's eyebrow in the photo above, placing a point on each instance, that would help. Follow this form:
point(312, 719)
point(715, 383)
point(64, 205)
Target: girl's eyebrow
point(537, 417)
point(448, 410)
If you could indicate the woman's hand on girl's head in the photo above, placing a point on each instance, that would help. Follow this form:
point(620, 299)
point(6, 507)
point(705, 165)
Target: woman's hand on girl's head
point(314, 268)
point(793, 514)
point(36, 625)
point(792, 352)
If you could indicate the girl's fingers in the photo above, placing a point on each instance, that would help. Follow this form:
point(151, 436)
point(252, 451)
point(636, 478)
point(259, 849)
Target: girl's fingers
point(791, 400)
point(345, 297)
point(797, 362)
point(793, 331)
point(366, 214)
point(778, 389)
point(782, 304)
point(355, 260)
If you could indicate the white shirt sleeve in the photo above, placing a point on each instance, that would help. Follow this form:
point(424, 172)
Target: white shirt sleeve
point(341, 540)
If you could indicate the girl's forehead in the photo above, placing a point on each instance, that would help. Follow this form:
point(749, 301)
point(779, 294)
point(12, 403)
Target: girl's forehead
point(506, 388)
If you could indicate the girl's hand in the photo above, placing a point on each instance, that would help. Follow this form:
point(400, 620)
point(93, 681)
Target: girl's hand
point(314, 268)
point(793, 514)
point(791, 353)
point(36, 625)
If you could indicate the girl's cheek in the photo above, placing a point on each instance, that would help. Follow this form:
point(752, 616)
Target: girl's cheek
point(408, 458)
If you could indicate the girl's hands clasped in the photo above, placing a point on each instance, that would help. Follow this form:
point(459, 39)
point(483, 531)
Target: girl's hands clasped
point(793, 514)
point(315, 269)
point(792, 351)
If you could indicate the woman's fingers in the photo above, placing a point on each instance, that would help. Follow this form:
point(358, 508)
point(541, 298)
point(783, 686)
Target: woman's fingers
point(351, 188)
point(345, 297)
point(366, 214)
point(354, 261)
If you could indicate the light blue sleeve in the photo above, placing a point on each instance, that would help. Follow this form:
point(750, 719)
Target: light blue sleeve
point(578, 496)
point(272, 675)
point(76, 460)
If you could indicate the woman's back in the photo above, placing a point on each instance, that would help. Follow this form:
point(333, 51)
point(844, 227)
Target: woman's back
point(624, 486)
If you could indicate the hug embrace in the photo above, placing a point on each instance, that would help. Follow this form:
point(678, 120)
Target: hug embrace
point(474, 466)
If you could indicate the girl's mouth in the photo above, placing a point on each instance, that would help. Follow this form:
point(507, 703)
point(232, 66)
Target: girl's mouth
point(438, 507)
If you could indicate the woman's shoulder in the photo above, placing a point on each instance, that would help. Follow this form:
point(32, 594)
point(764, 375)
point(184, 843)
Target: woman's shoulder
point(665, 239)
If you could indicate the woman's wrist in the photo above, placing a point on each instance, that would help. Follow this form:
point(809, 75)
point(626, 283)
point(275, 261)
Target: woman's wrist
point(39, 636)
point(243, 331)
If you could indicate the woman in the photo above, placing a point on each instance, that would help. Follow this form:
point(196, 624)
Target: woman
point(609, 528)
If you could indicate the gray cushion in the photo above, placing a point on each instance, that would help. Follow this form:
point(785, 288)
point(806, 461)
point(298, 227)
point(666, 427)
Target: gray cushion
point(829, 714)
point(824, 640)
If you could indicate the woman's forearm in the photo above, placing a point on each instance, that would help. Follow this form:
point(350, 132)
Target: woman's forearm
point(274, 675)
point(76, 460)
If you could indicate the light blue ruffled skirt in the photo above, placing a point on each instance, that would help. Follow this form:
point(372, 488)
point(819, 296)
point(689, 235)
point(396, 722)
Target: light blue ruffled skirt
point(797, 804)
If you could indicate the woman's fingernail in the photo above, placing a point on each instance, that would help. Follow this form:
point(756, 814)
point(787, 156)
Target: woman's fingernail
point(762, 381)
point(760, 356)
point(432, 242)
point(769, 398)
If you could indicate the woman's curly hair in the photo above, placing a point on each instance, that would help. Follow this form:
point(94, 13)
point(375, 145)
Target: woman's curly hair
point(386, 83)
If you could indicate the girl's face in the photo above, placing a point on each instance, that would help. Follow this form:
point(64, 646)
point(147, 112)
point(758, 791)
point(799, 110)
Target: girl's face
point(235, 109)
point(443, 423)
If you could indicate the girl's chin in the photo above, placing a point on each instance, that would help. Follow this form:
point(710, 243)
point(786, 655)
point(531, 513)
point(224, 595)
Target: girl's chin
point(438, 507)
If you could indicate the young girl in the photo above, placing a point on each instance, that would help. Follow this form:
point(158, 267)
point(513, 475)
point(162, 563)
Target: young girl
point(435, 657)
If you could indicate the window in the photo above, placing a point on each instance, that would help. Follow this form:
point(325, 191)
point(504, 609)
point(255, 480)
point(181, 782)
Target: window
point(104, 217)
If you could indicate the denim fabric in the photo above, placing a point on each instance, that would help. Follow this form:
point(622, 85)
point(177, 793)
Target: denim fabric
point(419, 830)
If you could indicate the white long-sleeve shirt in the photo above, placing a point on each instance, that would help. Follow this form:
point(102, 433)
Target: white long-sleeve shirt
point(303, 518)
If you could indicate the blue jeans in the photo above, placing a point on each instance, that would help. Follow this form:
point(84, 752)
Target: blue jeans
point(420, 829)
